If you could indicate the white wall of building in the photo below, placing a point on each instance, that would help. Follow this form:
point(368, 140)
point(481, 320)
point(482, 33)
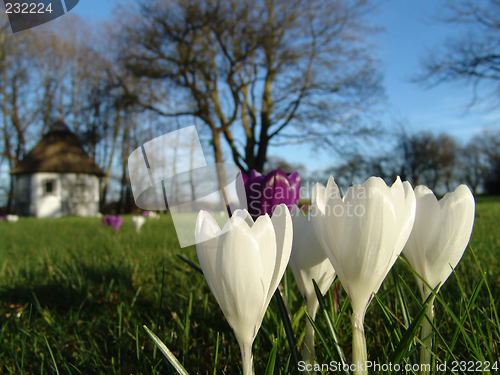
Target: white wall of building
point(45, 205)
point(72, 194)
point(80, 194)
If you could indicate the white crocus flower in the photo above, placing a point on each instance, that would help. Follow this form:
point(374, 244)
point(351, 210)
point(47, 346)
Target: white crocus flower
point(437, 242)
point(12, 218)
point(243, 264)
point(308, 261)
point(138, 222)
point(363, 233)
point(440, 235)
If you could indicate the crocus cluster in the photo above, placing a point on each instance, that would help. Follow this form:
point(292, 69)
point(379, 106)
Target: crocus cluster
point(114, 221)
point(10, 218)
point(358, 236)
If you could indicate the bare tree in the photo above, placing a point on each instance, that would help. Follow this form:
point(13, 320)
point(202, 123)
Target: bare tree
point(414, 153)
point(351, 171)
point(428, 159)
point(420, 158)
point(257, 71)
point(18, 98)
point(473, 57)
point(472, 165)
point(447, 160)
point(357, 168)
point(488, 146)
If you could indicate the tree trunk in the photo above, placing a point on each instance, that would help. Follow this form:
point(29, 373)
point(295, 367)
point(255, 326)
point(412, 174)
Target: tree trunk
point(261, 158)
point(221, 173)
point(111, 156)
point(122, 203)
point(265, 123)
point(10, 201)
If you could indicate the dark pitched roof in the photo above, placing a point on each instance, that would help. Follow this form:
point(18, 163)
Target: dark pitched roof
point(59, 151)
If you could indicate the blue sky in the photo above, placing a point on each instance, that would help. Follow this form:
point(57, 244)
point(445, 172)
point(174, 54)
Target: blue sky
point(410, 33)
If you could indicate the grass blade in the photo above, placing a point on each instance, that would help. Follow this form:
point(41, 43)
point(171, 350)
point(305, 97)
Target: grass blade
point(190, 263)
point(167, 353)
point(216, 354)
point(408, 337)
point(51, 355)
point(333, 332)
point(272, 359)
point(319, 334)
point(287, 325)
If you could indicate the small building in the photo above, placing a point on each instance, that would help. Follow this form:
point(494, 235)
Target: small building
point(57, 178)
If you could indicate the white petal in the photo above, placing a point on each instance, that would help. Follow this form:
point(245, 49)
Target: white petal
point(282, 223)
point(308, 260)
point(368, 240)
point(443, 200)
point(306, 249)
point(264, 233)
point(425, 231)
point(399, 197)
point(332, 224)
point(206, 227)
point(207, 250)
point(318, 196)
point(238, 217)
point(422, 190)
point(327, 223)
point(298, 219)
point(406, 216)
point(457, 215)
point(242, 281)
point(320, 227)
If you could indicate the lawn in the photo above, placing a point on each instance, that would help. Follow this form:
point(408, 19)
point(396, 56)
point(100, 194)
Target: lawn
point(74, 297)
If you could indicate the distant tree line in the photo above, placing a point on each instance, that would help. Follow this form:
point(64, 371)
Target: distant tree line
point(250, 74)
point(438, 161)
point(424, 158)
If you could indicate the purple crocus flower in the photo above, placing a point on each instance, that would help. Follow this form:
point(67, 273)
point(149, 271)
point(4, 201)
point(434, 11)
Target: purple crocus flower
point(115, 222)
point(265, 192)
point(145, 213)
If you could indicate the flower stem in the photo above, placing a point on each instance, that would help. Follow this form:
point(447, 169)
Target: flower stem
point(246, 357)
point(359, 355)
point(426, 337)
point(309, 351)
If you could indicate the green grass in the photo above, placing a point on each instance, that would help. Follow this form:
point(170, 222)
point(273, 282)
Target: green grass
point(74, 297)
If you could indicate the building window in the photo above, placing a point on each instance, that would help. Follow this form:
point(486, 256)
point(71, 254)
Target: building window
point(49, 187)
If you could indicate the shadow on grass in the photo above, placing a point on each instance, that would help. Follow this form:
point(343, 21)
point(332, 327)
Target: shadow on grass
point(83, 285)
